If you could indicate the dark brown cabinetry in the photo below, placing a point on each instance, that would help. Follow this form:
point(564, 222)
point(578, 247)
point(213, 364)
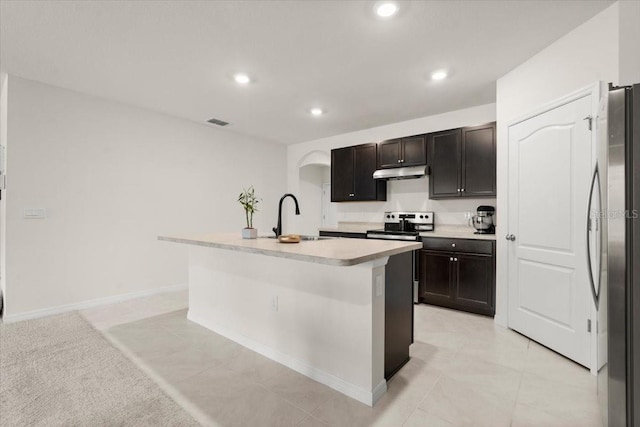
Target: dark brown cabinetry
point(352, 174)
point(458, 273)
point(401, 152)
point(479, 161)
point(444, 164)
point(462, 162)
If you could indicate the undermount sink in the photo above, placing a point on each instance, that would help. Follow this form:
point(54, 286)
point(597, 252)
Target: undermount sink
point(315, 238)
point(302, 237)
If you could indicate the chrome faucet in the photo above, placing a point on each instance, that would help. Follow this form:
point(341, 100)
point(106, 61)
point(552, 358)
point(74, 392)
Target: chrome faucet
point(278, 228)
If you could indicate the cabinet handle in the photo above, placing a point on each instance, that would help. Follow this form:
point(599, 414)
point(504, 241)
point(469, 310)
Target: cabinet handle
point(459, 189)
point(451, 259)
point(453, 245)
point(399, 161)
point(455, 259)
point(462, 189)
point(351, 195)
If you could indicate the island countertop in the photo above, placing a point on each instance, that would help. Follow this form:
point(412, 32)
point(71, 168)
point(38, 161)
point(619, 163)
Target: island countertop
point(338, 252)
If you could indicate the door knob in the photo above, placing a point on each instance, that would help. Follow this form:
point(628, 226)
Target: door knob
point(511, 237)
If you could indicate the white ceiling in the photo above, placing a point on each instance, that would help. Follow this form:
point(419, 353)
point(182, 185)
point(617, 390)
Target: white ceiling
point(178, 57)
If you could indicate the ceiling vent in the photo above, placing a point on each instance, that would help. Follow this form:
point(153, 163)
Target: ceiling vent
point(217, 122)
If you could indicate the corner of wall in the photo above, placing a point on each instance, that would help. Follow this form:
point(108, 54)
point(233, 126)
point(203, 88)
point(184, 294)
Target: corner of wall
point(4, 88)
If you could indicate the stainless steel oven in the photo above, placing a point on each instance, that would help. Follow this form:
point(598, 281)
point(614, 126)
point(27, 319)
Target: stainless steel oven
point(405, 226)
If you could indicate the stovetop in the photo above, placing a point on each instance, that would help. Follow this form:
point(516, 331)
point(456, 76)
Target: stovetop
point(404, 226)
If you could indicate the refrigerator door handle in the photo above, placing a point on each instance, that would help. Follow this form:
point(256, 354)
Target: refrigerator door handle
point(415, 276)
point(594, 293)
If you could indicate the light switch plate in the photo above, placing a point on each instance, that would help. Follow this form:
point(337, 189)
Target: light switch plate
point(35, 213)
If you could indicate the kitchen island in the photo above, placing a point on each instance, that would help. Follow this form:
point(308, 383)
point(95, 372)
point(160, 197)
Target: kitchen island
point(317, 307)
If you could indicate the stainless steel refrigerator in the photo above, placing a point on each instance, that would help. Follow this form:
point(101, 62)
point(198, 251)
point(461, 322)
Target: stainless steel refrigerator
point(614, 256)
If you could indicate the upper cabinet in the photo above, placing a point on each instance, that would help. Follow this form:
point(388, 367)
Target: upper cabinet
point(444, 164)
point(462, 162)
point(479, 161)
point(401, 152)
point(352, 174)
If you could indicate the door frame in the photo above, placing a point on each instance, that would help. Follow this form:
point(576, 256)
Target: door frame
point(503, 251)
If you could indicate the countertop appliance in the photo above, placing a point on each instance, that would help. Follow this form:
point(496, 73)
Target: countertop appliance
point(407, 226)
point(613, 255)
point(482, 221)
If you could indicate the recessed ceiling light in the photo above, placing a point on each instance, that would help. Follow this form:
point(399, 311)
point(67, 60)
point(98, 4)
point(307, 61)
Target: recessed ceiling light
point(386, 9)
point(316, 111)
point(439, 75)
point(242, 78)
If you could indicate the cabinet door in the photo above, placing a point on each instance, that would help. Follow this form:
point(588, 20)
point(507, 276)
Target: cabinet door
point(364, 164)
point(390, 154)
point(473, 287)
point(342, 174)
point(444, 162)
point(414, 150)
point(479, 161)
point(435, 278)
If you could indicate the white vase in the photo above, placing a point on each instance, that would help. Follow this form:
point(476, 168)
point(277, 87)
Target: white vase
point(249, 233)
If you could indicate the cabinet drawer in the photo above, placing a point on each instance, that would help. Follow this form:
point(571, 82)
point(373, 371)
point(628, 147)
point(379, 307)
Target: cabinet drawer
point(458, 245)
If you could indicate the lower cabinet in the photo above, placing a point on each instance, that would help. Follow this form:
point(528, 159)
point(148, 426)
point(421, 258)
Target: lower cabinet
point(457, 279)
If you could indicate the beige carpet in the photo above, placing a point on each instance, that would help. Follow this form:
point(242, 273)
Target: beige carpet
point(60, 371)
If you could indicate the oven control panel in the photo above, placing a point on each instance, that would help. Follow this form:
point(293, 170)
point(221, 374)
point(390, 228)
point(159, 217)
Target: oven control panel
point(409, 221)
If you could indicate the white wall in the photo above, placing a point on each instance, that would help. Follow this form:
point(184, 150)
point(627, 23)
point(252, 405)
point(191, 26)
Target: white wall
point(629, 35)
point(401, 195)
point(583, 56)
point(112, 178)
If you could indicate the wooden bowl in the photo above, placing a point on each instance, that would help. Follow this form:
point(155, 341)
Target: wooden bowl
point(289, 238)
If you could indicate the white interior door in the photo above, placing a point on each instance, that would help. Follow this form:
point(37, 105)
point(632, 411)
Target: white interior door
point(550, 166)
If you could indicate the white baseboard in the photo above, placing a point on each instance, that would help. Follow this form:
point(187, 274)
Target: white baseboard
point(90, 303)
point(379, 391)
point(500, 320)
point(368, 397)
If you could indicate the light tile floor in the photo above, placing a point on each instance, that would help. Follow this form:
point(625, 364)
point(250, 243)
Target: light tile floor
point(464, 371)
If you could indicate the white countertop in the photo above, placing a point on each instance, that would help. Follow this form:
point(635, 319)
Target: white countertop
point(339, 252)
point(441, 230)
point(457, 232)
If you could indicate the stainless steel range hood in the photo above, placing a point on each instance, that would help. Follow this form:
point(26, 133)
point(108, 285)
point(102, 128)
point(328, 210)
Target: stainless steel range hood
point(401, 173)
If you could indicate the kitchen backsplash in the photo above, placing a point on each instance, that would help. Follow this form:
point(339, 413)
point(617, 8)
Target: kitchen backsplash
point(410, 195)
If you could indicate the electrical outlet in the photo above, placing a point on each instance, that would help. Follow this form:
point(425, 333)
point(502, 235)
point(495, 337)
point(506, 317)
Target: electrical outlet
point(468, 215)
point(274, 303)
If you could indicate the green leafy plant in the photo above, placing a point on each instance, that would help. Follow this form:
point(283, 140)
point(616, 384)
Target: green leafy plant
point(249, 202)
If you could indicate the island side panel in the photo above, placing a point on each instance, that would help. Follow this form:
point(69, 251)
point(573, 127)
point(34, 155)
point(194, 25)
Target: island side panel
point(326, 322)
